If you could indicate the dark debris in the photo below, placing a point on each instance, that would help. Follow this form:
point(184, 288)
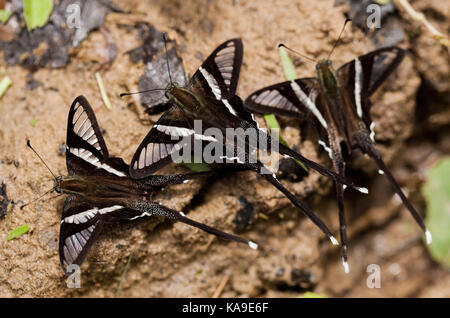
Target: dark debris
point(62, 149)
point(156, 75)
point(391, 31)
point(244, 216)
point(50, 45)
point(4, 201)
point(289, 169)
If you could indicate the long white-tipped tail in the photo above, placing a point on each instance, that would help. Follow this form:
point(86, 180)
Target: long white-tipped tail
point(253, 245)
point(428, 237)
point(346, 267)
point(333, 240)
point(363, 190)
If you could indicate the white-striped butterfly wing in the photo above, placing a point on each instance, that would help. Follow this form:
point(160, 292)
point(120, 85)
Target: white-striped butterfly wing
point(298, 98)
point(86, 151)
point(217, 78)
point(292, 98)
point(361, 77)
point(80, 225)
point(81, 222)
point(162, 141)
point(221, 69)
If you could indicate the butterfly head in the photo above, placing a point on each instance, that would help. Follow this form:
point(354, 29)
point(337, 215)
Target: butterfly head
point(57, 184)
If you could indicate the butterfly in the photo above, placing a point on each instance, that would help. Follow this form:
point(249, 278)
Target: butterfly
point(100, 190)
point(210, 98)
point(337, 105)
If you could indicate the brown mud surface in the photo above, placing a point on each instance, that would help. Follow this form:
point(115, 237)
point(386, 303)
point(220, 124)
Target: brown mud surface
point(175, 260)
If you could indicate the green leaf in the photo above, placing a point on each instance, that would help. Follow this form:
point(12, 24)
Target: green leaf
point(33, 122)
point(101, 86)
point(290, 75)
point(37, 12)
point(21, 230)
point(272, 123)
point(382, 2)
point(312, 295)
point(437, 195)
point(196, 167)
point(122, 278)
point(4, 84)
point(4, 16)
point(288, 66)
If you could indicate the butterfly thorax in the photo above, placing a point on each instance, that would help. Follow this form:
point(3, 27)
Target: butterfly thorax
point(184, 98)
point(328, 78)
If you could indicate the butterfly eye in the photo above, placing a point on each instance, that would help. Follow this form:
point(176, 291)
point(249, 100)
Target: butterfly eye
point(328, 62)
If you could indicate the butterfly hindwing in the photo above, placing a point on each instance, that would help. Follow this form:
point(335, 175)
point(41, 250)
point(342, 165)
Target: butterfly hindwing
point(79, 228)
point(82, 220)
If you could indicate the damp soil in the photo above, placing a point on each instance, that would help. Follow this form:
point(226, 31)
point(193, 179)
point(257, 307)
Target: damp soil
point(175, 260)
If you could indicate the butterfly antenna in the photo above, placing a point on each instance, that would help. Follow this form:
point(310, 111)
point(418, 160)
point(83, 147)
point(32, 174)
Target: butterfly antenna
point(340, 34)
point(167, 57)
point(293, 51)
point(140, 92)
point(37, 199)
point(29, 145)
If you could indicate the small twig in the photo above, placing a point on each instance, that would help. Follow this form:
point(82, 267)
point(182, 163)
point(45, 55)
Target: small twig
point(208, 244)
point(4, 84)
point(103, 91)
point(221, 286)
point(122, 278)
point(420, 17)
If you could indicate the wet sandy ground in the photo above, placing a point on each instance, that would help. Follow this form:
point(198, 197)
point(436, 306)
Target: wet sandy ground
point(174, 260)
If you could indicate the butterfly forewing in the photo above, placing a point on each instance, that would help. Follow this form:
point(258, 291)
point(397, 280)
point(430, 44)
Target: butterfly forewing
point(221, 69)
point(156, 150)
point(281, 99)
point(361, 77)
point(86, 149)
point(298, 98)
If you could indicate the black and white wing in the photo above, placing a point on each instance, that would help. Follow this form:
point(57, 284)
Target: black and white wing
point(221, 69)
point(291, 98)
point(80, 226)
point(298, 98)
point(81, 223)
point(87, 153)
point(163, 142)
point(361, 77)
point(217, 78)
